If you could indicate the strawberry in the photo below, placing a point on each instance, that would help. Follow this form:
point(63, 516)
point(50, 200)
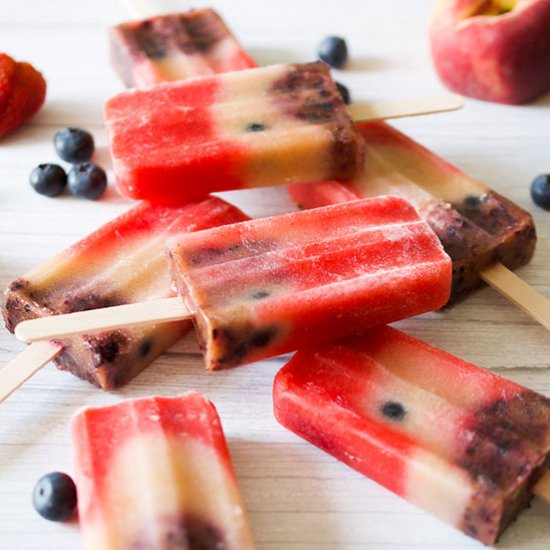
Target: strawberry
point(22, 92)
point(7, 68)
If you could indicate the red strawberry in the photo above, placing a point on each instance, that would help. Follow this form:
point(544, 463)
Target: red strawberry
point(22, 92)
point(7, 68)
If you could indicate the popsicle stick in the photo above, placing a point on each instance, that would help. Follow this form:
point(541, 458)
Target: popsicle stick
point(363, 112)
point(542, 487)
point(140, 8)
point(95, 320)
point(27, 363)
point(519, 292)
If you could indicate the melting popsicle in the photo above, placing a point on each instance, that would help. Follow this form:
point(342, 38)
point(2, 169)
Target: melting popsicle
point(369, 400)
point(174, 46)
point(121, 262)
point(268, 286)
point(179, 141)
point(476, 225)
point(156, 473)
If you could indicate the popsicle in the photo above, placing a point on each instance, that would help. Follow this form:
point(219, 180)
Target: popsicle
point(179, 141)
point(461, 442)
point(268, 286)
point(121, 262)
point(156, 473)
point(174, 46)
point(476, 225)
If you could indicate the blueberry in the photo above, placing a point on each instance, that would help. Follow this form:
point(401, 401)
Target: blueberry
point(393, 410)
point(344, 92)
point(54, 496)
point(87, 180)
point(255, 127)
point(74, 145)
point(333, 51)
point(540, 191)
point(48, 179)
point(472, 201)
point(259, 294)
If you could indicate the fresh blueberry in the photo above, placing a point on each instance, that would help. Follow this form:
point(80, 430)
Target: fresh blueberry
point(540, 191)
point(87, 180)
point(48, 179)
point(74, 145)
point(333, 50)
point(344, 92)
point(54, 496)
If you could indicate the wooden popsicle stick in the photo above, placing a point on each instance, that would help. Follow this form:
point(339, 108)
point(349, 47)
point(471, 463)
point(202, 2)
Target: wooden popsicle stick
point(95, 320)
point(27, 363)
point(519, 292)
point(542, 487)
point(376, 110)
point(140, 8)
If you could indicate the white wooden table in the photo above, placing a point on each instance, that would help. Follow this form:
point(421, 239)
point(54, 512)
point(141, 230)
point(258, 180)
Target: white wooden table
point(298, 498)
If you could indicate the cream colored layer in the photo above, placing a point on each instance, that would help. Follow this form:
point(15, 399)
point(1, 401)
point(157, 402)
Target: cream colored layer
point(432, 173)
point(155, 479)
point(178, 65)
point(382, 178)
point(288, 150)
point(136, 267)
point(438, 487)
point(222, 54)
point(433, 419)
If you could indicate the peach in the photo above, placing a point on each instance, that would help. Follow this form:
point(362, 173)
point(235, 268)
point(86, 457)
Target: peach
point(496, 50)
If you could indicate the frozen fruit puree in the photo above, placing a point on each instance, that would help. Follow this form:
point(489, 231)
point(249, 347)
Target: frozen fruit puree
point(179, 141)
point(269, 286)
point(476, 225)
point(122, 262)
point(457, 440)
point(156, 473)
point(173, 47)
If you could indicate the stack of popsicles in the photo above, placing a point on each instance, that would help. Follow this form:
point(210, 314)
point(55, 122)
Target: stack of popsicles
point(259, 288)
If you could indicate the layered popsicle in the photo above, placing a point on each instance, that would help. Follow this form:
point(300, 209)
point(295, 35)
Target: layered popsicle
point(177, 142)
point(476, 225)
point(370, 400)
point(269, 286)
point(122, 262)
point(173, 47)
point(156, 473)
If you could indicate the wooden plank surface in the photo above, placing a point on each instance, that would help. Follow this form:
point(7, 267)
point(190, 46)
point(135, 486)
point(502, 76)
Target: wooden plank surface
point(298, 498)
